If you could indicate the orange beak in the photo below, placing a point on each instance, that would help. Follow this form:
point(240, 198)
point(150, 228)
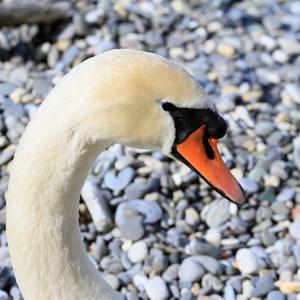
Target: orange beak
point(192, 151)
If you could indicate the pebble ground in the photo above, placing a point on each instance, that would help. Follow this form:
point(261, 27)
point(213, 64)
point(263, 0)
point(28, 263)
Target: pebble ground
point(159, 232)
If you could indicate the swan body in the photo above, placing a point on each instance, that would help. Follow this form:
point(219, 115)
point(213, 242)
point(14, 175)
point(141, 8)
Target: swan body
point(113, 97)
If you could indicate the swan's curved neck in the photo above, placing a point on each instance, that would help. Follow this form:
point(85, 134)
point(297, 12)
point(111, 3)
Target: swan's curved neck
point(101, 101)
point(42, 216)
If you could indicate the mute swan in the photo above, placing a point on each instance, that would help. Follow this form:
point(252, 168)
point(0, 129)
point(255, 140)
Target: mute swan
point(125, 96)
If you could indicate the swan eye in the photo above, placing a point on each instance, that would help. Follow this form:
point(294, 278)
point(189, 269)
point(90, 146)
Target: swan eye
point(167, 106)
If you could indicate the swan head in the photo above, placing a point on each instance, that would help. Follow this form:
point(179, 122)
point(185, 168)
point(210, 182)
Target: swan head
point(155, 103)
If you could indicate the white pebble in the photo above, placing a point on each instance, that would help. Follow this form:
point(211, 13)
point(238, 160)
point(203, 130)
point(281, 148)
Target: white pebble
point(156, 289)
point(138, 252)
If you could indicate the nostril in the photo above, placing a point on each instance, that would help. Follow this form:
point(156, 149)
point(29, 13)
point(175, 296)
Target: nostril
point(208, 149)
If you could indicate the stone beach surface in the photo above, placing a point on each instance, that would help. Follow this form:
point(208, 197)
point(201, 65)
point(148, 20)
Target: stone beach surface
point(153, 228)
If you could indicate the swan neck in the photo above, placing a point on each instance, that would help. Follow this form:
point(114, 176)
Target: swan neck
point(48, 171)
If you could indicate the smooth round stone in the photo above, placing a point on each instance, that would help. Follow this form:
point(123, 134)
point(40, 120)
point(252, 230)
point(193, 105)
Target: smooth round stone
point(151, 211)
point(295, 229)
point(280, 56)
point(286, 194)
point(136, 190)
point(131, 296)
point(6, 88)
point(226, 50)
point(156, 289)
point(290, 266)
point(4, 257)
point(138, 252)
point(18, 75)
point(209, 263)
point(268, 238)
point(3, 295)
point(213, 236)
point(119, 182)
point(280, 208)
point(217, 214)
point(227, 104)
point(296, 252)
point(275, 295)
point(124, 162)
point(15, 293)
point(249, 185)
point(247, 288)
point(112, 280)
point(293, 92)
point(290, 45)
point(53, 56)
point(262, 285)
point(247, 214)
point(140, 281)
point(98, 249)
point(171, 272)
point(80, 25)
point(229, 293)
point(196, 247)
point(132, 228)
point(190, 271)
point(187, 296)
point(264, 128)
point(126, 263)
point(159, 262)
point(192, 217)
point(247, 261)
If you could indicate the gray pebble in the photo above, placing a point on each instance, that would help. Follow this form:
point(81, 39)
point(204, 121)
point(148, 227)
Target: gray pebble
point(119, 182)
point(229, 293)
point(264, 128)
point(293, 92)
point(216, 213)
point(262, 285)
point(150, 210)
point(196, 247)
point(131, 296)
point(6, 155)
point(138, 252)
point(80, 26)
point(295, 229)
point(296, 252)
point(69, 55)
point(97, 206)
point(98, 249)
point(112, 280)
point(190, 270)
point(247, 260)
point(156, 289)
point(15, 293)
point(132, 228)
point(19, 75)
point(136, 190)
point(4, 295)
point(209, 263)
point(6, 88)
point(171, 272)
point(249, 185)
point(286, 194)
point(11, 108)
point(275, 295)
